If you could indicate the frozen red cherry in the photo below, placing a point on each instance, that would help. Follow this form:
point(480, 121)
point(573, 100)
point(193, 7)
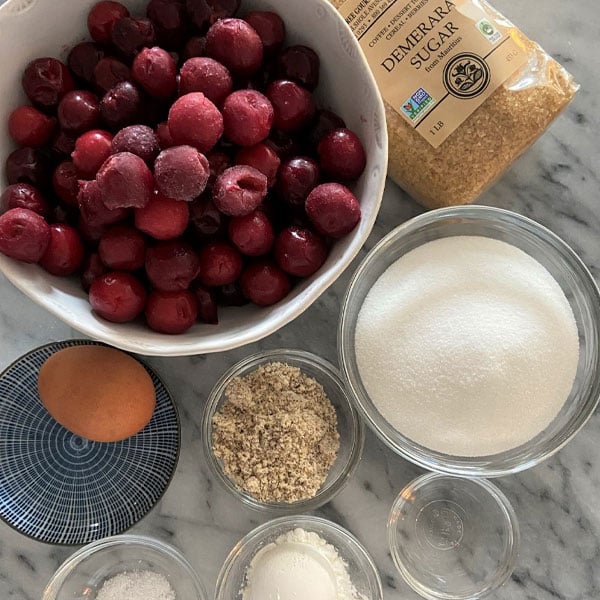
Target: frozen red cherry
point(172, 266)
point(195, 121)
point(342, 155)
point(24, 235)
point(231, 295)
point(102, 19)
point(90, 232)
point(261, 157)
point(94, 213)
point(139, 140)
point(45, 81)
point(220, 264)
point(284, 144)
point(64, 253)
point(324, 122)
point(29, 127)
point(91, 150)
point(195, 46)
point(207, 221)
point(108, 72)
point(83, 58)
point(93, 268)
point(65, 181)
point(247, 117)
point(239, 190)
point(222, 9)
point(23, 195)
point(163, 218)
point(294, 105)
point(62, 145)
point(117, 297)
point(206, 75)
point(29, 165)
point(181, 173)
point(156, 72)
point(207, 304)
point(78, 112)
point(171, 312)
point(129, 35)
point(125, 180)
point(122, 248)
point(165, 140)
point(300, 64)
point(270, 28)
point(218, 162)
point(122, 105)
point(333, 209)
point(170, 21)
point(264, 283)
point(252, 234)
point(299, 251)
point(234, 43)
point(298, 176)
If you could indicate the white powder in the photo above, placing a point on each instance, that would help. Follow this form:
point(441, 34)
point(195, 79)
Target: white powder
point(137, 585)
point(299, 565)
point(467, 346)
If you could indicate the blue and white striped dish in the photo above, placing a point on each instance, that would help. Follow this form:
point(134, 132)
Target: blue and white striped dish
point(59, 488)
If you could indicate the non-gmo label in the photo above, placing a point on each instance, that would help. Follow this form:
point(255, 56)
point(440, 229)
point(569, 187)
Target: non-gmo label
point(488, 31)
point(417, 104)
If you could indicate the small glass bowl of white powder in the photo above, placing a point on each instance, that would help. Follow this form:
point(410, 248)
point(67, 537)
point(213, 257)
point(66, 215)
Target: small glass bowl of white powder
point(126, 567)
point(469, 337)
point(299, 557)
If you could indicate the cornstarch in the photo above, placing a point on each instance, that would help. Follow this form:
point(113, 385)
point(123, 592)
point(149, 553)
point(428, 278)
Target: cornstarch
point(299, 565)
point(467, 346)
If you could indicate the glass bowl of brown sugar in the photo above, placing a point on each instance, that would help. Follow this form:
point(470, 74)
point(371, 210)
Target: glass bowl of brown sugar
point(280, 433)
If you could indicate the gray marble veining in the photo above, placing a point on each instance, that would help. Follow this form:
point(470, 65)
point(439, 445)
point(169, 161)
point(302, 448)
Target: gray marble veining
point(557, 183)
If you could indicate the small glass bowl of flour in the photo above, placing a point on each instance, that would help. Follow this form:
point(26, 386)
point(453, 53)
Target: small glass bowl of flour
point(126, 567)
point(299, 557)
point(469, 337)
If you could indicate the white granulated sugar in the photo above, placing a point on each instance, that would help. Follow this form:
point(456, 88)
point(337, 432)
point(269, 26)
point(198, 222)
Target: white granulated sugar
point(299, 565)
point(137, 585)
point(467, 346)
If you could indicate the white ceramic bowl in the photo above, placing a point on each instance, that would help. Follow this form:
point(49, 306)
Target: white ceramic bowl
point(33, 28)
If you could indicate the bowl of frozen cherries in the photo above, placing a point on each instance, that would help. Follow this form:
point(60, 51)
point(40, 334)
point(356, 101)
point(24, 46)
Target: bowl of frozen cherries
point(184, 176)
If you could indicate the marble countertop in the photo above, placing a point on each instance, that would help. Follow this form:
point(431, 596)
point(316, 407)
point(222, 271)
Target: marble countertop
point(557, 183)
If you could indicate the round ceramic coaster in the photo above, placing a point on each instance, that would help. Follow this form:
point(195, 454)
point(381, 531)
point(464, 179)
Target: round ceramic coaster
point(59, 488)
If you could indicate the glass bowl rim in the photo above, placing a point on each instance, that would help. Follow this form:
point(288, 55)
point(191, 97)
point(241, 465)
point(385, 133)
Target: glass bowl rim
point(513, 539)
point(329, 371)
point(262, 531)
point(144, 541)
point(496, 465)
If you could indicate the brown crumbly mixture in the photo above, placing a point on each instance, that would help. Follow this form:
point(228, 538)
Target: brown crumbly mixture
point(488, 141)
point(276, 434)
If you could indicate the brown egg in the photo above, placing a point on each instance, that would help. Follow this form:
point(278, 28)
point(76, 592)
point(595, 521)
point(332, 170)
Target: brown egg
point(99, 393)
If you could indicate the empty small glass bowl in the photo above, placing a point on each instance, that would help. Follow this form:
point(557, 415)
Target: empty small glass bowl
point(453, 538)
point(359, 565)
point(569, 272)
point(83, 574)
point(350, 427)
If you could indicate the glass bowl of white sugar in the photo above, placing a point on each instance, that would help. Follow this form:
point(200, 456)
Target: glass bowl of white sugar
point(299, 556)
point(469, 340)
point(126, 566)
